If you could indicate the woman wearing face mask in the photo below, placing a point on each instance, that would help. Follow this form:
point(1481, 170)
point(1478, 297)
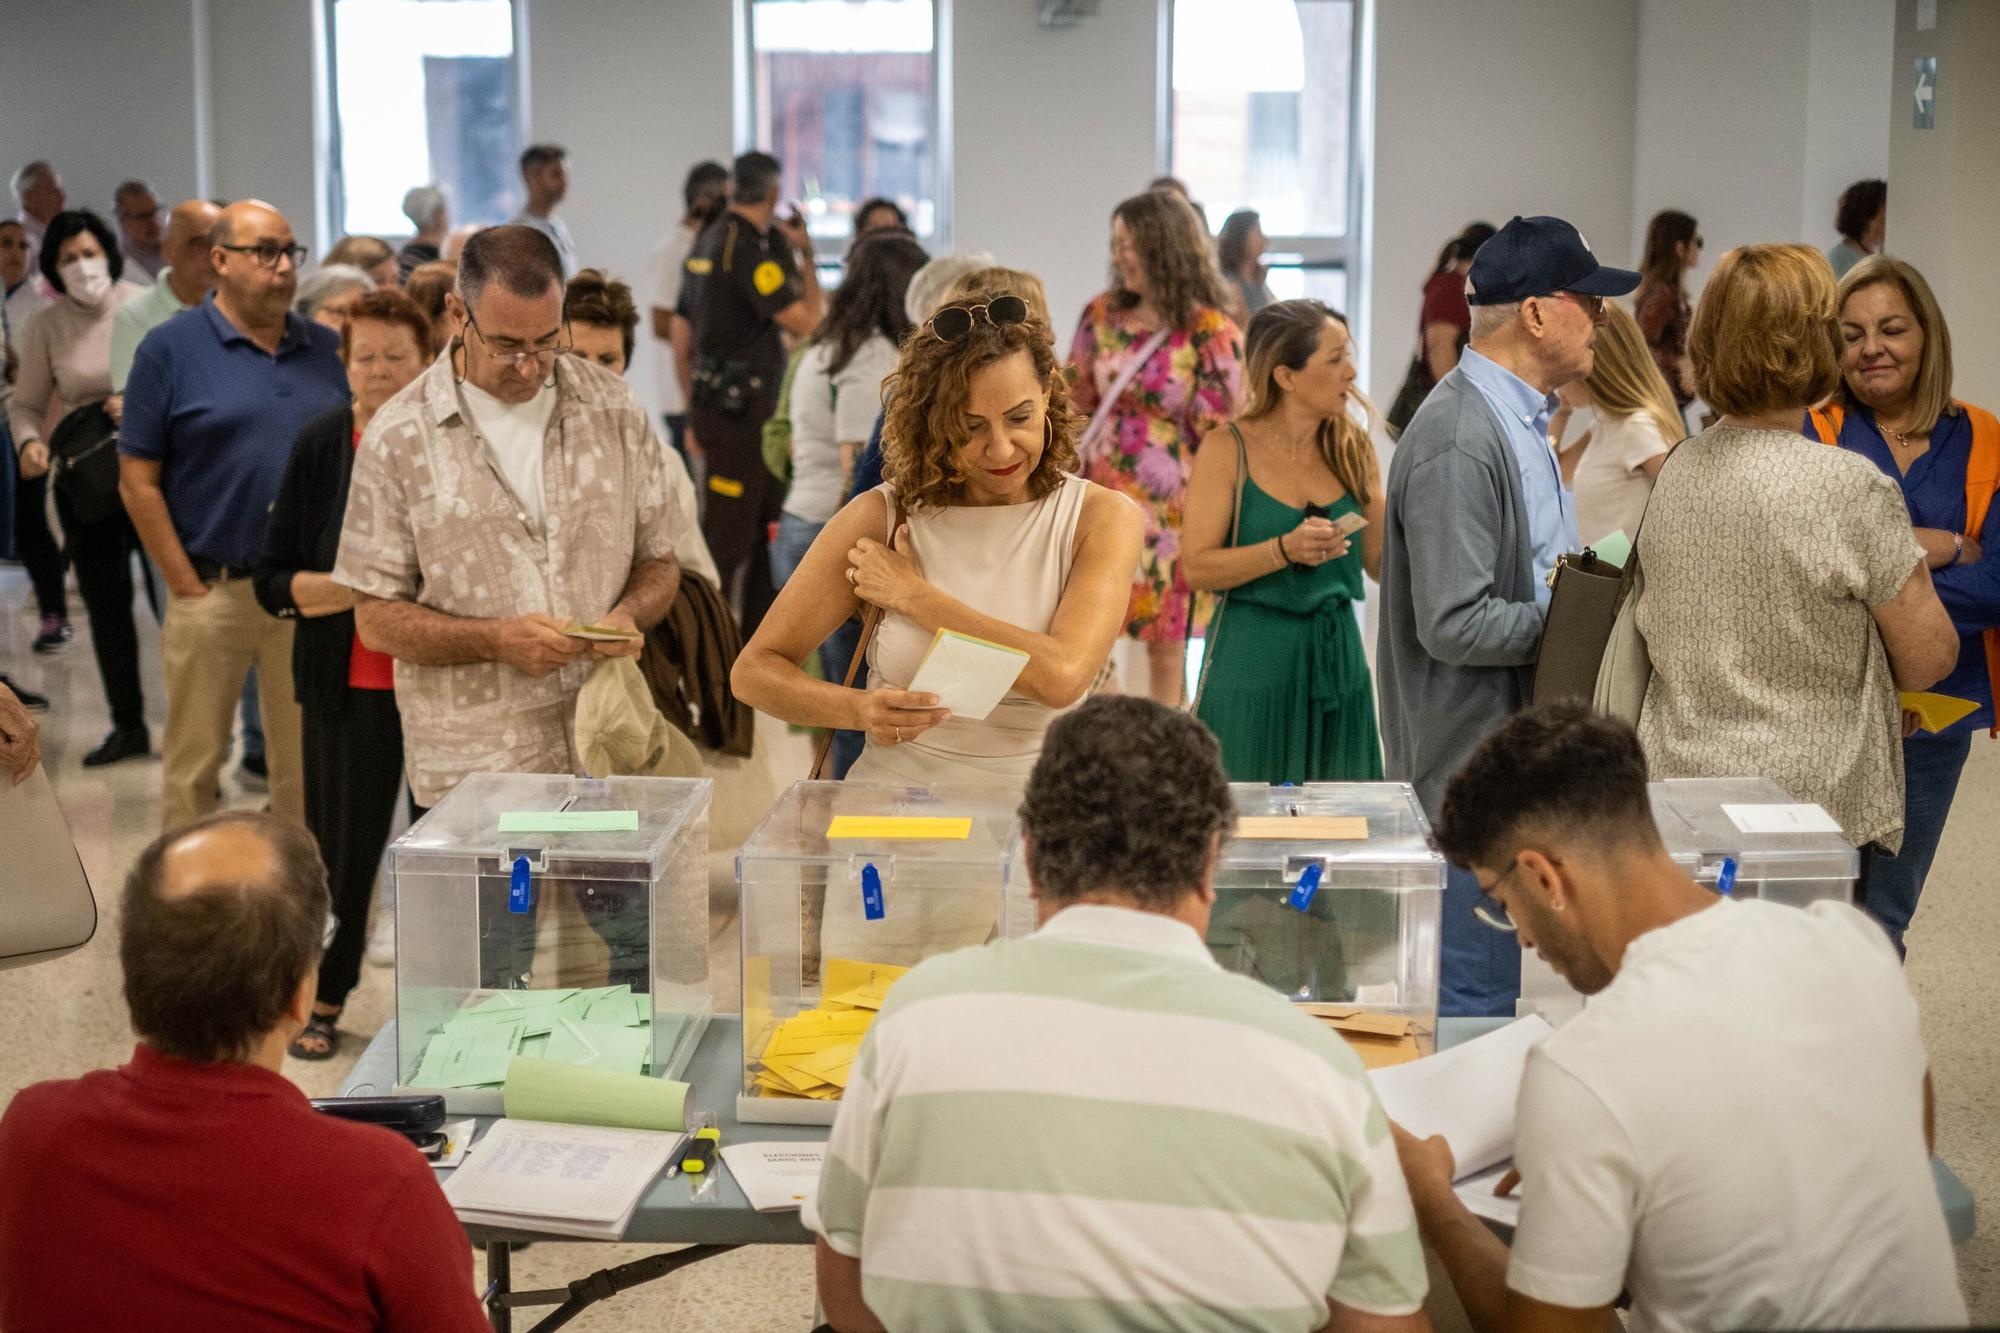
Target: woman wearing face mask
point(997, 540)
point(1270, 507)
point(1894, 408)
point(66, 364)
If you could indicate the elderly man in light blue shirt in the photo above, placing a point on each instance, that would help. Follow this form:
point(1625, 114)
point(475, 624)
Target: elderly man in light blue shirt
point(1476, 519)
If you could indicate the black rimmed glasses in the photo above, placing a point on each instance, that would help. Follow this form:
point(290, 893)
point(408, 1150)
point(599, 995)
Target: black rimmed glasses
point(1490, 910)
point(1590, 305)
point(955, 321)
point(268, 254)
point(542, 358)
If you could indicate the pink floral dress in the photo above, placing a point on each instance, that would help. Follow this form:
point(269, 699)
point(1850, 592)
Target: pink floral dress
point(1188, 388)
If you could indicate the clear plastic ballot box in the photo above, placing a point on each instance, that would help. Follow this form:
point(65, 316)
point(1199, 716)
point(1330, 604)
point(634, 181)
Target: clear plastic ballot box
point(1331, 893)
point(844, 887)
point(558, 917)
point(1749, 831)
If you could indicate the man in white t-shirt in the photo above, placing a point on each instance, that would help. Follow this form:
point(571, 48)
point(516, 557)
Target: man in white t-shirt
point(1736, 1130)
point(705, 194)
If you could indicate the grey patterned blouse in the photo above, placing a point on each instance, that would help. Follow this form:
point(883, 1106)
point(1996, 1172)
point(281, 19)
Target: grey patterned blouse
point(1763, 552)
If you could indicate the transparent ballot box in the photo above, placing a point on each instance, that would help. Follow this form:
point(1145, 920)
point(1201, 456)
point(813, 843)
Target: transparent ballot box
point(1751, 831)
point(557, 917)
point(1331, 893)
point(844, 887)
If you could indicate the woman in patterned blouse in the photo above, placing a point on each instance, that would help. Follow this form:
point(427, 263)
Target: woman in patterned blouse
point(1164, 309)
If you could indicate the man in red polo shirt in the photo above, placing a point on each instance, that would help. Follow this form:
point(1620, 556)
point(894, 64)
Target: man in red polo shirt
point(194, 1187)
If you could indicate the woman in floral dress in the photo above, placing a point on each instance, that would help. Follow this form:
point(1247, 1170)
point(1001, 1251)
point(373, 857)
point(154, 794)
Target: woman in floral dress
point(1165, 305)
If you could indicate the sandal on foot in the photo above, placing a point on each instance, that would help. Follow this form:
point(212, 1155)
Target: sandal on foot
point(317, 1040)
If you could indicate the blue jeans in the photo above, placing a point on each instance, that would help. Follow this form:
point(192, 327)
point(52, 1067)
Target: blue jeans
point(253, 720)
point(1479, 968)
point(1931, 765)
point(834, 655)
point(788, 550)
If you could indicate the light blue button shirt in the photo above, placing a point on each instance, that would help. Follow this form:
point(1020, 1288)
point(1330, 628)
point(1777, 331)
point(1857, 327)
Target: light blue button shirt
point(1524, 415)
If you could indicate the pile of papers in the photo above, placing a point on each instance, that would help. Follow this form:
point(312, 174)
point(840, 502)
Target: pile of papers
point(607, 1028)
point(565, 1180)
point(810, 1053)
point(1379, 1039)
point(775, 1177)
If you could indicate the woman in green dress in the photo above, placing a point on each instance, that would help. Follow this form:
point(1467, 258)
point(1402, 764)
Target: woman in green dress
point(1273, 508)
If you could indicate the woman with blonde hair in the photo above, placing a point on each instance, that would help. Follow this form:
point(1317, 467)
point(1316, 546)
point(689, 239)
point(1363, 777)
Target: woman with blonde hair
point(1610, 466)
point(1785, 601)
point(1284, 514)
point(1895, 409)
point(981, 528)
point(1156, 365)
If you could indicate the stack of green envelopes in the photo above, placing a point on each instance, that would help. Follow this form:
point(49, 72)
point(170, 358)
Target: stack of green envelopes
point(608, 1028)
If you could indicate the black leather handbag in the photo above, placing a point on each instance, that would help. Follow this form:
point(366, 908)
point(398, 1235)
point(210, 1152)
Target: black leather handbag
point(83, 466)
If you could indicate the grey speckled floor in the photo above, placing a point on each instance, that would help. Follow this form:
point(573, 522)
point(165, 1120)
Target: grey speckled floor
point(76, 1007)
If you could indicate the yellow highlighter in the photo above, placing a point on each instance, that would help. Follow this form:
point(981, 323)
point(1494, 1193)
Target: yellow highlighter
point(699, 1154)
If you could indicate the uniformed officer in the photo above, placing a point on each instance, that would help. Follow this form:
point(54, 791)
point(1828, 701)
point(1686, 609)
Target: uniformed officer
point(750, 279)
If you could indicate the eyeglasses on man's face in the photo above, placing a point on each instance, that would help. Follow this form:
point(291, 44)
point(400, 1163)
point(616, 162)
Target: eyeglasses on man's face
point(1590, 305)
point(1490, 910)
point(268, 254)
point(542, 356)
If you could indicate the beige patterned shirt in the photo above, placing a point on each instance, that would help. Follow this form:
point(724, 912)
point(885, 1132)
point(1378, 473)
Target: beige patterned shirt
point(1762, 553)
point(431, 520)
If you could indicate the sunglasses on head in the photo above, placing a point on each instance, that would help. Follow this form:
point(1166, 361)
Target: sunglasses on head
point(955, 321)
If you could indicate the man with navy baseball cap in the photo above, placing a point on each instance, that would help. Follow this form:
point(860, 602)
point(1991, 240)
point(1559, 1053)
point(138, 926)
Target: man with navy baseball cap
point(1477, 516)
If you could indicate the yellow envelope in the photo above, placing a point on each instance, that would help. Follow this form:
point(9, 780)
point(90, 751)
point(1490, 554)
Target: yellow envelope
point(1935, 712)
point(845, 974)
point(1290, 828)
point(890, 828)
point(824, 1064)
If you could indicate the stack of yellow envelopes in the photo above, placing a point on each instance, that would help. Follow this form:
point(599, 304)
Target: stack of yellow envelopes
point(810, 1053)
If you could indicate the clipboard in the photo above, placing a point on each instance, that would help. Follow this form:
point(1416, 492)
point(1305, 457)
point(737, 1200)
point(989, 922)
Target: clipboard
point(46, 907)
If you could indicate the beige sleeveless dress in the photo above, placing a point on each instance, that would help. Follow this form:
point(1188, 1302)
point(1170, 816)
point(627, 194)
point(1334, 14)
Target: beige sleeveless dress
point(1012, 563)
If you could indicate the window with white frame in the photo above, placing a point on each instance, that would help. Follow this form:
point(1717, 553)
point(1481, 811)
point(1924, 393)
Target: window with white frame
point(423, 92)
point(844, 93)
point(1261, 118)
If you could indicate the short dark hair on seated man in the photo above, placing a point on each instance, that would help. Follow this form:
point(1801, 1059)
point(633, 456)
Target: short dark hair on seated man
point(210, 969)
point(1127, 797)
point(523, 259)
point(754, 178)
point(1555, 766)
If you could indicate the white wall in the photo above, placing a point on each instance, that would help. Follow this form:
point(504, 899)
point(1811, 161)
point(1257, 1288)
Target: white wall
point(1052, 130)
point(104, 89)
point(1487, 110)
point(1944, 189)
point(1849, 100)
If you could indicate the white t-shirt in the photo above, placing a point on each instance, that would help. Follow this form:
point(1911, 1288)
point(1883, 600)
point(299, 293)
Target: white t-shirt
point(513, 434)
point(827, 410)
point(690, 547)
point(1733, 1131)
point(1611, 489)
point(668, 264)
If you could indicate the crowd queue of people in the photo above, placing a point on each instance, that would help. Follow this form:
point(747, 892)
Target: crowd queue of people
point(370, 501)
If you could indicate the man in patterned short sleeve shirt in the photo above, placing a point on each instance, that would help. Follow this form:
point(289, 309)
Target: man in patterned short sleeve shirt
point(507, 495)
point(1096, 1127)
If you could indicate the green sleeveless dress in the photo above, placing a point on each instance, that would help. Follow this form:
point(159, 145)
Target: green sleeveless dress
point(1286, 688)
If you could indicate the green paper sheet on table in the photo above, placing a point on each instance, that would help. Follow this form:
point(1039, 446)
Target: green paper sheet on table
point(469, 1057)
point(570, 821)
point(548, 1090)
point(600, 1046)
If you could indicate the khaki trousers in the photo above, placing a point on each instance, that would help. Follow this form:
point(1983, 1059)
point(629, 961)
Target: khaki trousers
point(207, 646)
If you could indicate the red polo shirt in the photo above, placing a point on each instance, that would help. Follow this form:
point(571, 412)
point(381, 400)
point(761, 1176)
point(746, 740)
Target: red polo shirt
point(164, 1194)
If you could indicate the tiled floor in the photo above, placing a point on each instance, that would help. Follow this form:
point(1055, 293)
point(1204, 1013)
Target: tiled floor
point(75, 1008)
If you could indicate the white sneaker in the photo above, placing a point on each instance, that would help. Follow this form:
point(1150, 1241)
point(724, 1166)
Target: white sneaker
point(382, 940)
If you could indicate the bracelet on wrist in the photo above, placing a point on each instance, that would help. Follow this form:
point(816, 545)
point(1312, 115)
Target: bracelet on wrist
point(1284, 557)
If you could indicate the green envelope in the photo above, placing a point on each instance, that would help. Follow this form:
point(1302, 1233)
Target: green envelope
point(549, 1090)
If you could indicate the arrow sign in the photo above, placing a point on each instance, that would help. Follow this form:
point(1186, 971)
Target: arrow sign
point(1923, 111)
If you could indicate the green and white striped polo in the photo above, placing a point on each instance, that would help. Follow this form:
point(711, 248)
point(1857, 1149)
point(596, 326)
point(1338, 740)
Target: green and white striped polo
point(1097, 1128)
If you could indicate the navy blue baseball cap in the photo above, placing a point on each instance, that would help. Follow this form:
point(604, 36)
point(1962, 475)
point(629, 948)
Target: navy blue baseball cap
point(1540, 257)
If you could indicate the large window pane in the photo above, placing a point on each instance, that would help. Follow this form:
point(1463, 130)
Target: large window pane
point(424, 92)
point(1260, 109)
point(846, 98)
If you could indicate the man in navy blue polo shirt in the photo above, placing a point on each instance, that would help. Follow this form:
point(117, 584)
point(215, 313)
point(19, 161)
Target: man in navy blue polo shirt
point(215, 401)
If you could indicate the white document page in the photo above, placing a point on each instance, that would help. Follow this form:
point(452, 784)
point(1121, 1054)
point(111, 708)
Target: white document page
point(1781, 819)
point(1467, 1094)
point(526, 1170)
point(776, 1177)
point(1476, 1193)
point(969, 676)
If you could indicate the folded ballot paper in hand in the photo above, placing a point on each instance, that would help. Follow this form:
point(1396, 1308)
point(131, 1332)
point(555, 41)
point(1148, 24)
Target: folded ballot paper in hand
point(969, 676)
point(1467, 1094)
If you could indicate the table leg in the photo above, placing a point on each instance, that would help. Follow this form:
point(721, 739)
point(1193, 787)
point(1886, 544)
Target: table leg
point(499, 1283)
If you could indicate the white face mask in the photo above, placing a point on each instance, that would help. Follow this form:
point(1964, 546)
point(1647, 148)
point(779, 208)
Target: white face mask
point(88, 280)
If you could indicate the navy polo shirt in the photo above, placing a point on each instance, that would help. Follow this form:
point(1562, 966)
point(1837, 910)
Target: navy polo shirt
point(220, 415)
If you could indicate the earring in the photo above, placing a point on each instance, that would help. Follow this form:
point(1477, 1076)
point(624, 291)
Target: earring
point(1048, 431)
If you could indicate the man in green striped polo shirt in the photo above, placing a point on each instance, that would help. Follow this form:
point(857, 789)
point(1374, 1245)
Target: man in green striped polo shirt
point(1096, 1127)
